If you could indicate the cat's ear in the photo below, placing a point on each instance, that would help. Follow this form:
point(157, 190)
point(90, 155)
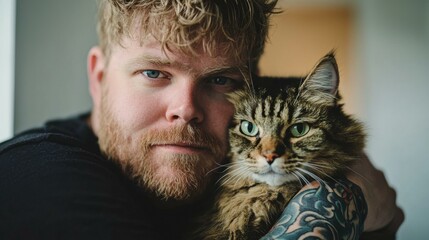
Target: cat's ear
point(321, 85)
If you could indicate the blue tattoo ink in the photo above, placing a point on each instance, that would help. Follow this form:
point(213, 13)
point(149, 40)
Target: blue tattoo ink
point(335, 210)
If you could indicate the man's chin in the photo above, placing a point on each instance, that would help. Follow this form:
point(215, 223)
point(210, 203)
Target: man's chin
point(177, 179)
point(173, 190)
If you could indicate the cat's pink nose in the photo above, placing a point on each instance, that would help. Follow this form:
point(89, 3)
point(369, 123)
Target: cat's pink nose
point(270, 157)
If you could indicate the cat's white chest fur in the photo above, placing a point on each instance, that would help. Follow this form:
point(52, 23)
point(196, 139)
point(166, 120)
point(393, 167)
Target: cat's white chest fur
point(273, 179)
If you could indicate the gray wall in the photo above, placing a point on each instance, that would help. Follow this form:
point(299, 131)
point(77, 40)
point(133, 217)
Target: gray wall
point(394, 61)
point(53, 37)
point(52, 41)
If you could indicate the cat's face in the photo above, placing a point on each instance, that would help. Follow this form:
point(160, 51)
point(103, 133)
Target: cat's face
point(292, 131)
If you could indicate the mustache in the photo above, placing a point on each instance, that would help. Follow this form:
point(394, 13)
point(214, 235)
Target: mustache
point(183, 134)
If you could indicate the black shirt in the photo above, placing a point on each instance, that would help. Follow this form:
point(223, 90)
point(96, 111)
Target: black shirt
point(55, 184)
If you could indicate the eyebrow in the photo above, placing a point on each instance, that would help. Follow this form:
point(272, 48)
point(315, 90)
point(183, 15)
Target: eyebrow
point(223, 70)
point(165, 62)
point(152, 60)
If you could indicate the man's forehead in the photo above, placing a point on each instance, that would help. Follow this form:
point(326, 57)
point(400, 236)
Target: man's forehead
point(152, 50)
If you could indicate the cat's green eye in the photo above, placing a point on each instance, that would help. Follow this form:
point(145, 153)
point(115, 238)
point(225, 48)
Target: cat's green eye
point(248, 128)
point(299, 129)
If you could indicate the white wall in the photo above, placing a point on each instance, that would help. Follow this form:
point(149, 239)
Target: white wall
point(7, 42)
point(394, 62)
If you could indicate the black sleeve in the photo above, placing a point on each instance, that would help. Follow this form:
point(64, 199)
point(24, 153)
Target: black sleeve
point(54, 190)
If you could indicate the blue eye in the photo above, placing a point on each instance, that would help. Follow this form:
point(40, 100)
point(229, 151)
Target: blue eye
point(221, 80)
point(151, 73)
point(224, 84)
point(248, 128)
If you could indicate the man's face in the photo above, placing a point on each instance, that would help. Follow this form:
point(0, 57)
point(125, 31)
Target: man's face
point(164, 116)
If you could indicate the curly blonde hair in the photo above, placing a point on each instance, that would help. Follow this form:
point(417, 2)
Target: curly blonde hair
point(238, 27)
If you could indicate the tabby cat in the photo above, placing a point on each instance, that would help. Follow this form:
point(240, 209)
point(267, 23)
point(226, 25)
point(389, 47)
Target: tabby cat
point(286, 132)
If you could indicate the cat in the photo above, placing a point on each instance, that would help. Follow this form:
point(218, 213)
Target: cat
point(285, 132)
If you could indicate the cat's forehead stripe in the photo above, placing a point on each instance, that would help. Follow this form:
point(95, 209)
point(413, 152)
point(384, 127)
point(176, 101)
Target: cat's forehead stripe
point(279, 104)
point(297, 112)
point(258, 111)
point(289, 114)
point(251, 111)
point(267, 107)
point(274, 109)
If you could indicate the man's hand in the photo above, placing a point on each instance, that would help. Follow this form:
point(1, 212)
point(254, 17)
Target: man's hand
point(383, 213)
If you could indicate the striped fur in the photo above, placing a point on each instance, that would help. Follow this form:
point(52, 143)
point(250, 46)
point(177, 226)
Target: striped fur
point(267, 169)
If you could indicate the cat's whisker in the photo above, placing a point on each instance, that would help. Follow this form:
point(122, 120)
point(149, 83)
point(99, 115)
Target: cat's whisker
point(233, 174)
point(360, 175)
point(314, 176)
point(299, 180)
point(325, 174)
point(226, 177)
point(321, 164)
point(238, 180)
point(318, 165)
point(226, 167)
point(318, 168)
point(302, 177)
point(220, 166)
point(304, 173)
point(239, 175)
point(228, 164)
point(235, 167)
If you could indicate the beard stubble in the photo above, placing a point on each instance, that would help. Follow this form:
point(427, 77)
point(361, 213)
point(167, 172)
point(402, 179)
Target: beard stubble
point(170, 176)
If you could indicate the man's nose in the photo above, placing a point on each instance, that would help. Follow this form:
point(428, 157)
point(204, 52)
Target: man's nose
point(184, 105)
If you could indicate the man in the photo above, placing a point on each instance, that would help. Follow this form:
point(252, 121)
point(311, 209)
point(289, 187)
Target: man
point(142, 162)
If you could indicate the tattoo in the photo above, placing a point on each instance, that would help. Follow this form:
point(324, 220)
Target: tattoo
point(333, 210)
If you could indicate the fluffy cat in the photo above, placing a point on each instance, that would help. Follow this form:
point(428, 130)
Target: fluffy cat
point(286, 132)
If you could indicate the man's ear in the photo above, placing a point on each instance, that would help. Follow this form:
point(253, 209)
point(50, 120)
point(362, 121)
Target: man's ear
point(96, 69)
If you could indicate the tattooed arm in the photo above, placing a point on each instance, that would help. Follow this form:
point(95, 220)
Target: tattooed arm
point(331, 210)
